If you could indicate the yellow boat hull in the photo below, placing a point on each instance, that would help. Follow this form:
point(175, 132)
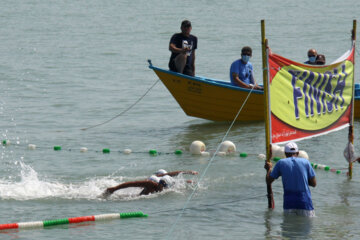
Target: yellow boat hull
point(217, 100)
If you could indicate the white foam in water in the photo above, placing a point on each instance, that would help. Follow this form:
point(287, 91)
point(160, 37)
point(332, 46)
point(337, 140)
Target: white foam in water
point(31, 186)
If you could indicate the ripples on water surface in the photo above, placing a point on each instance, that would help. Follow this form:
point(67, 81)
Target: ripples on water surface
point(69, 65)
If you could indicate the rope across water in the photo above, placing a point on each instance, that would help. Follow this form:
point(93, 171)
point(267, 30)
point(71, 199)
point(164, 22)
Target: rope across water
point(207, 167)
point(123, 112)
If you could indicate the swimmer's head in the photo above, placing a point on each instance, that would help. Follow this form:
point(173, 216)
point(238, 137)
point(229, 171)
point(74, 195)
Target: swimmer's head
point(167, 181)
point(161, 171)
point(154, 178)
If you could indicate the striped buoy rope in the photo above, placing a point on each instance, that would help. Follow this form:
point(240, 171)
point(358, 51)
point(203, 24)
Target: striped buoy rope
point(41, 224)
point(328, 168)
point(322, 166)
point(152, 152)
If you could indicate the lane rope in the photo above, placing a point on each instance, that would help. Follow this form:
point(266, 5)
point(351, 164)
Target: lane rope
point(47, 223)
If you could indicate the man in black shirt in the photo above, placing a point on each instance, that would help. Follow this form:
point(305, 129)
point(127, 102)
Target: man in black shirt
point(182, 46)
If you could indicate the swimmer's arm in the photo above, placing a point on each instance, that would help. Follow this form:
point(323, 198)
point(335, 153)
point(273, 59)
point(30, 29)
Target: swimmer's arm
point(141, 184)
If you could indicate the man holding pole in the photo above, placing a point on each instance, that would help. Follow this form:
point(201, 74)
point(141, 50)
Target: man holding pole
point(297, 175)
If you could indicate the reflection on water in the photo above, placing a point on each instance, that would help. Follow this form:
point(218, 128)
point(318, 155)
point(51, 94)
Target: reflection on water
point(291, 227)
point(296, 227)
point(345, 192)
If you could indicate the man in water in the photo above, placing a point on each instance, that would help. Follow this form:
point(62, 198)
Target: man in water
point(155, 183)
point(297, 175)
point(182, 46)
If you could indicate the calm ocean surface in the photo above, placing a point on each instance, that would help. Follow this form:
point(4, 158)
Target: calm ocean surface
point(67, 65)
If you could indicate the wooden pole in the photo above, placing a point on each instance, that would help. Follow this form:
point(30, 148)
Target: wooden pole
point(351, 132)
point(264, 44)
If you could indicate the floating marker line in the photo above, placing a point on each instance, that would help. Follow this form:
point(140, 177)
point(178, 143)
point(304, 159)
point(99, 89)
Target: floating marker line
point(327, 168)
point(322, 166)
point(47, 223)
point(152, 152)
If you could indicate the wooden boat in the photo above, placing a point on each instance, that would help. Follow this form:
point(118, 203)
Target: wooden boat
point(219, 100)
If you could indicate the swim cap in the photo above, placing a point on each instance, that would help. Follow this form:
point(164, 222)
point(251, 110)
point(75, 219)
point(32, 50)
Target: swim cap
point(167, 181)
point(161, 171)
point(154, 178)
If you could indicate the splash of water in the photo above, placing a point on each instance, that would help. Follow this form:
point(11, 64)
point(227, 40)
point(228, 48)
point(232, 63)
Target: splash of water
point(32, 186)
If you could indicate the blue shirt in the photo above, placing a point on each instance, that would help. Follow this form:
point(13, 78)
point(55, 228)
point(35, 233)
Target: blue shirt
point(245, 72)
point(295, 174)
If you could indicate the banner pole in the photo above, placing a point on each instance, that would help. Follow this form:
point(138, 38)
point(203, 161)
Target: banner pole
point(264, 45)
point(351, 132)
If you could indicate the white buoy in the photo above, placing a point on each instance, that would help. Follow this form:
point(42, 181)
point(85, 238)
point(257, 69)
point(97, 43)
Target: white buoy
point(32, 146)
point(83, 149)
point(303, 154)
point(277, 151)
point(228, 147)
point(205, 154)
point(261, 156)
point(197, 147)
point(221, 153)
point(321, 166)
point(127, 151)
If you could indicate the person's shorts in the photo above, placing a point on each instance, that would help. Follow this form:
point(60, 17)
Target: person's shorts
point(187, 70)
point(299, 212)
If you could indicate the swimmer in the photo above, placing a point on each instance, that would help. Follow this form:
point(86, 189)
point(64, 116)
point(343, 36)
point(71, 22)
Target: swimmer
point(155, 183)
point(148, 186)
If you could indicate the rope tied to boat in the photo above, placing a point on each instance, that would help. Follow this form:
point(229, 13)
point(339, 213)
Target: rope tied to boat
point(123, 112)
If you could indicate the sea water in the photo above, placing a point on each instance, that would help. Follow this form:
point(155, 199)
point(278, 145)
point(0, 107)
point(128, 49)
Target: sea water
point(68, 65)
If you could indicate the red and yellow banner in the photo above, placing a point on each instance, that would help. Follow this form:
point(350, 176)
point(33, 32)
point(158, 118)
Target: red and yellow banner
point(309, 100)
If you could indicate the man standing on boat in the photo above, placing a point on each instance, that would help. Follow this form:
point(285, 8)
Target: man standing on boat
point(297, 175)
point(241, 71)
point(182, 46)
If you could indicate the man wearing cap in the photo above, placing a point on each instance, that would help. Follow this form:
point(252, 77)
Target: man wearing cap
point(297, 175)
point(182, 46)
point(241, 71)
